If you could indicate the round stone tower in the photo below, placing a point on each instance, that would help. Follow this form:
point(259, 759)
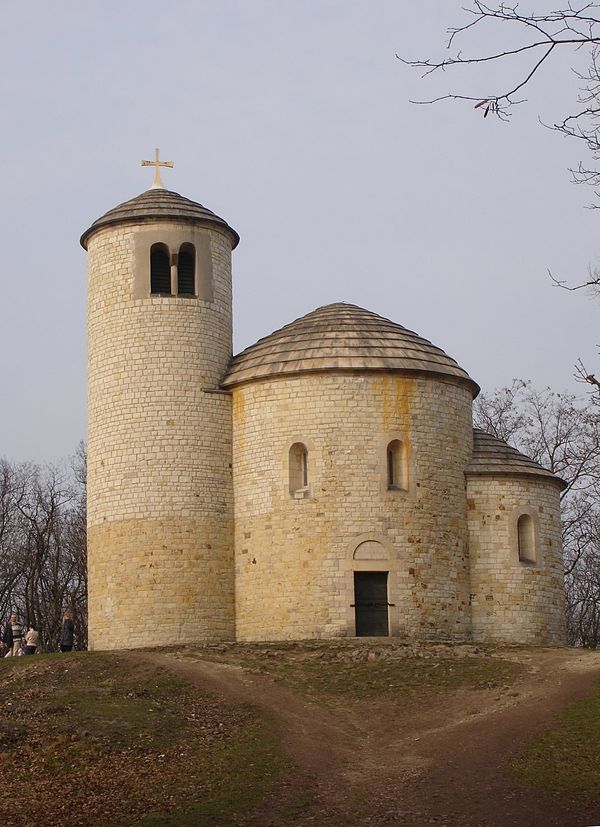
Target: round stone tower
point(160, 498)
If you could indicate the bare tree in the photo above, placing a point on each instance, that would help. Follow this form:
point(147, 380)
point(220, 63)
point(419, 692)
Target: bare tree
point(530, 41)
point(76, 546)
point(562, 433)
point(9, 536)
point(536, 37)
point(43, 546)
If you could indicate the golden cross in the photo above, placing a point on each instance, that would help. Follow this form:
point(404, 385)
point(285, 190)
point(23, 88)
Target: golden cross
point(157, 184)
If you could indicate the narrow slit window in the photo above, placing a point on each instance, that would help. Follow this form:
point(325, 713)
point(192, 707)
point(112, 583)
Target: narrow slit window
point(304, 463)
point(526, 539)
point(395, 465)
point(391, 470)
point(298, 470)
point(186, 270)
point(160, 270)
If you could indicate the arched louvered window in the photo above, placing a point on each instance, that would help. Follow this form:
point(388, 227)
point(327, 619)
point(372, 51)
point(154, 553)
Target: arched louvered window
point(396, 472)
point(298, 464)
point(160, 270)
point(186, 270)
point(526, 539)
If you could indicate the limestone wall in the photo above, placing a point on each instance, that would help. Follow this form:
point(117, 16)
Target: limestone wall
point(160, 499)
point(295, 555)
point(515, 601)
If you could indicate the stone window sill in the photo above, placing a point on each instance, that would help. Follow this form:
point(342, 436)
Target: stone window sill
point(301, 494)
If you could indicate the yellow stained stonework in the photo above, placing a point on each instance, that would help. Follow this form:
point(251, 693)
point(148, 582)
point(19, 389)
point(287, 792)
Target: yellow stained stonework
point(238, 498)
point(295, 557)
point(155, 582)
point(160, 496)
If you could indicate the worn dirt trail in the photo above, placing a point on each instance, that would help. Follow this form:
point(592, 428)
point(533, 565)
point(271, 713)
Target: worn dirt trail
point(442, 765)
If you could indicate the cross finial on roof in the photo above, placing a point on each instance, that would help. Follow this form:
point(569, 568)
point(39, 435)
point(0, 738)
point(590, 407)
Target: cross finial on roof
point(157, 184)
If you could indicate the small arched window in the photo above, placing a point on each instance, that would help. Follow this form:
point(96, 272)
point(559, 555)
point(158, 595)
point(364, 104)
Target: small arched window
point(160, 270)
point(396, 472)
point(186, 270)
point(526, 539)
point(298, 469)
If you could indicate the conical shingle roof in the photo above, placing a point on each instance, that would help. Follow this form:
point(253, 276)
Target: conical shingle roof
point(156, 204)
point(494, 457)
point(342, 337)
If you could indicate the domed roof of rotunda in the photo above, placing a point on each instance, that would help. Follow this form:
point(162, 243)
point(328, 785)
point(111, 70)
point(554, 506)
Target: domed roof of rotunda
point(494, 457)
point(156, 204)
point(342, 337)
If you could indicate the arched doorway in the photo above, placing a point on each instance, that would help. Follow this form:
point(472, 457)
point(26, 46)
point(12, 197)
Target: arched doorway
point(371, 616)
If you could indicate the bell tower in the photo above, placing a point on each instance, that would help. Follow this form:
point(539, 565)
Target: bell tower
point(160, 498)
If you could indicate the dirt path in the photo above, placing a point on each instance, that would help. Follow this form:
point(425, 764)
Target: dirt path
point(376, 766)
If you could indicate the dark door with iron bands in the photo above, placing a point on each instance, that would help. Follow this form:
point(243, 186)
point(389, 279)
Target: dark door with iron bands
point(371, 603)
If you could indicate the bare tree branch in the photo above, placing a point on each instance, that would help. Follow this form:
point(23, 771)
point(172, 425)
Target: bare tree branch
point(43, 546)
point(571, 27)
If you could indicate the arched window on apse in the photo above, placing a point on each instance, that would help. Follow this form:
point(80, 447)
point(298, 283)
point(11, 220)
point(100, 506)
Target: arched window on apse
point(186, 270)
point(298, 469)
point(160, 270)
point(396, 471)
point(526, 539)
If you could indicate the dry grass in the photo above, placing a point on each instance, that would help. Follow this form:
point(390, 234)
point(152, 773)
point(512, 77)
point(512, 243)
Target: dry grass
point(329, 672)
point(565, 760)
point(103, 741)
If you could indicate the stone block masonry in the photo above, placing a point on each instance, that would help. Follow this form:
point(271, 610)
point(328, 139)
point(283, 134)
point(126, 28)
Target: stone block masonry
point(520, 602)
point(258, 496)
point(295, 557)
point(160, 496)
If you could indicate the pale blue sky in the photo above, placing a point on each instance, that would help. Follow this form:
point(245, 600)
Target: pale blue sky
point(291, 120)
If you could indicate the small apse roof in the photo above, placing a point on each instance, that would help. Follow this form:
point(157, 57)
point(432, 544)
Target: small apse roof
point(156, 204)
point(342, 337)
point(494, 457)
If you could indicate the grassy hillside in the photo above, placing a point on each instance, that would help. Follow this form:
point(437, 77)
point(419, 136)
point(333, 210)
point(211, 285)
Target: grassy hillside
point(124, 739)
point(100, 739)
point(566, 758)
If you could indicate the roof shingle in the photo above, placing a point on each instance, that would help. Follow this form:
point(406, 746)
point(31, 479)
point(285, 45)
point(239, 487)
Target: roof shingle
point(494, 457)
point(342, 337)
point(155, 204)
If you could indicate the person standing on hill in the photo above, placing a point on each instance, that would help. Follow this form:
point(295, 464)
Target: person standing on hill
point(67, 633)
point(32, 639)
point(13, 636)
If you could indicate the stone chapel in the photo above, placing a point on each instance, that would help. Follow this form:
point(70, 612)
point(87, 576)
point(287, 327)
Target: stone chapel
point(325, 482)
